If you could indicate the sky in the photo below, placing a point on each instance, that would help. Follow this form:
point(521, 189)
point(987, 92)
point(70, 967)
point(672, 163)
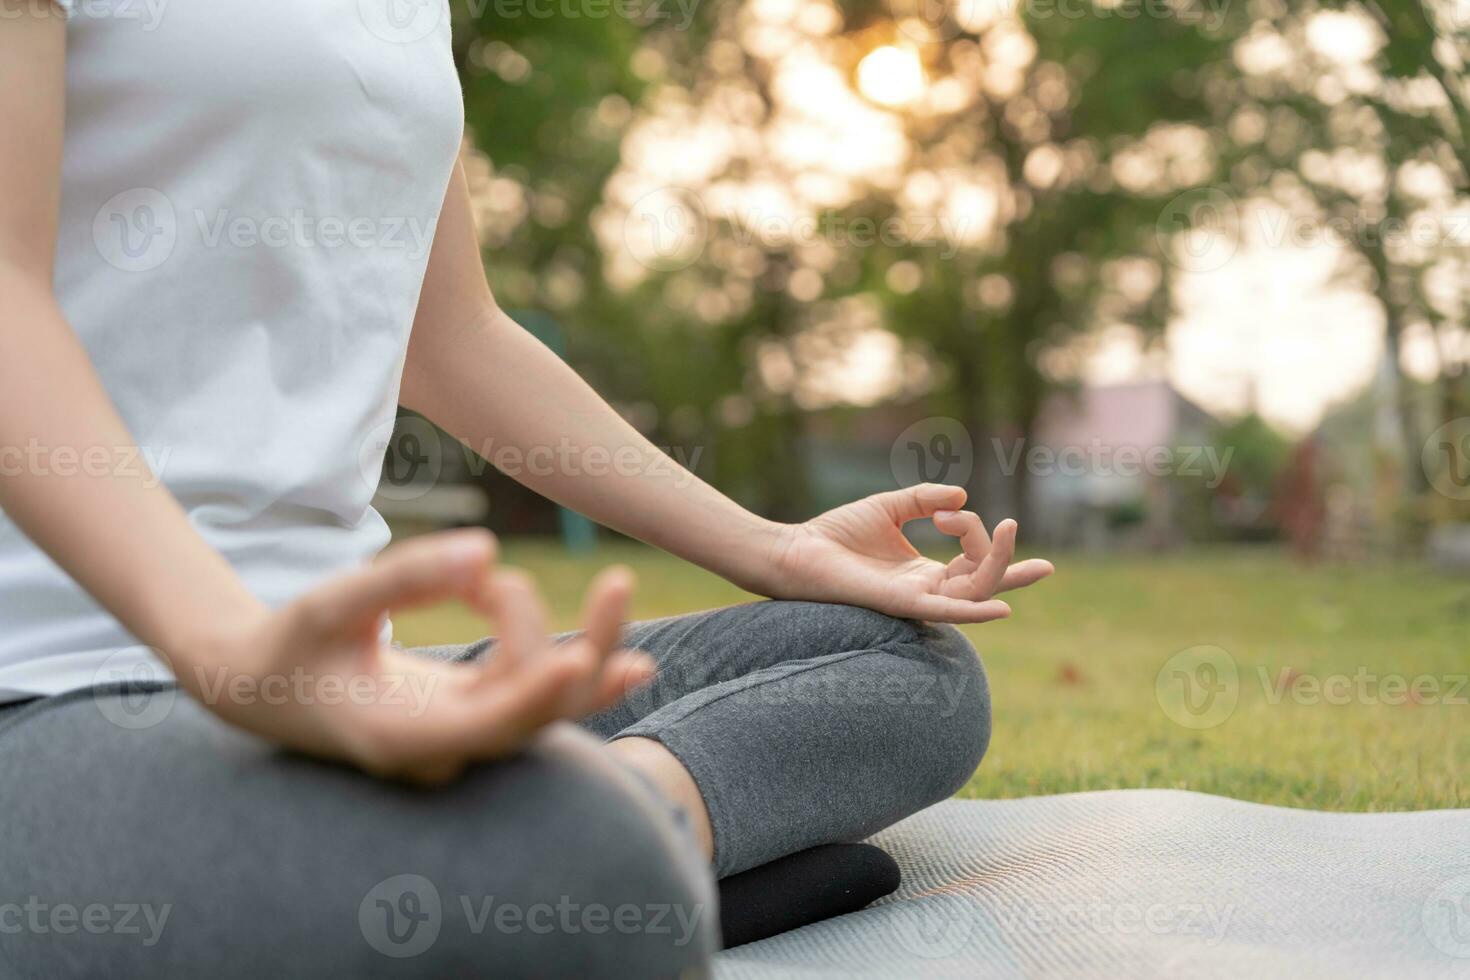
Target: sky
point(1272, 330)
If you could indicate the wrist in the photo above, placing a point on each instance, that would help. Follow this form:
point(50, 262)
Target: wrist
point(208, 636)
point(764, 558)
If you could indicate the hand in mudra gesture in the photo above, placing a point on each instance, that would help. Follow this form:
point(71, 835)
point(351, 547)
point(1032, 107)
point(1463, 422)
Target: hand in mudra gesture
point(857, 555)
point(467, 712)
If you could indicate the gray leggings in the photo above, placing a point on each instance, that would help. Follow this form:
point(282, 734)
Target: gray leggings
point(181, 847)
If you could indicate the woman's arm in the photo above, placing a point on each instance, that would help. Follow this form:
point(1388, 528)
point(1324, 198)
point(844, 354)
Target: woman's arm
point(485, 380)
point(488, 382)
point(123, 537)
point(120, 534)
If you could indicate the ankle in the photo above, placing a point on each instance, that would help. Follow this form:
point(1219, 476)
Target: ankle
point(660, 767)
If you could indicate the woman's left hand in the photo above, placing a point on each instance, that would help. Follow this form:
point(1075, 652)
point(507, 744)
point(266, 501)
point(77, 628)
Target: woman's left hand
point(858, 555)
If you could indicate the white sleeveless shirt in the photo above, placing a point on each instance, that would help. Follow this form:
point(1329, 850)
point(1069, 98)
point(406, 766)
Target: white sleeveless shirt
point(249, 193)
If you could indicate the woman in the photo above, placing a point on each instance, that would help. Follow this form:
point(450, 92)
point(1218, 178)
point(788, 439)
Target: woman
point(218, 282)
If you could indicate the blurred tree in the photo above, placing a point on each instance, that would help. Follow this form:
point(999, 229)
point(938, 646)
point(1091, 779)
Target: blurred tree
point(985, 190)
point(1088, 142)
point(745, 212)
point(1355, 112)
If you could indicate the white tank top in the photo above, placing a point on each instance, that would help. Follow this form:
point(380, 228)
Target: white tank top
point(249, 193)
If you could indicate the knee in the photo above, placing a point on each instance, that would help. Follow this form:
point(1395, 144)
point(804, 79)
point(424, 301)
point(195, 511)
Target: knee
point(946, 708)
point(959, 704)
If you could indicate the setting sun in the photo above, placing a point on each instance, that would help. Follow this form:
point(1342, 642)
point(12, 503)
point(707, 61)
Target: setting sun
point(891, 75)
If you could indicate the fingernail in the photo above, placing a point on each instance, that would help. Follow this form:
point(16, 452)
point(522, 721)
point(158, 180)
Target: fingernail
point(945, 513)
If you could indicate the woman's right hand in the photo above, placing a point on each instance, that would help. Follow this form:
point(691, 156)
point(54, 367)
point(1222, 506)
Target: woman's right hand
point(316, 677)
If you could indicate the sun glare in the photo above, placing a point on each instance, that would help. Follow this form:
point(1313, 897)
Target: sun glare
point(891, 76)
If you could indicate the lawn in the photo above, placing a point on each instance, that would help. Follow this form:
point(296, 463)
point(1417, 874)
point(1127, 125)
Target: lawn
point(1349, 683)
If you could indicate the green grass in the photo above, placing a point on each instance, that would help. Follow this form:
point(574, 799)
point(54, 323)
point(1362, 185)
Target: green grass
point(1073, 673)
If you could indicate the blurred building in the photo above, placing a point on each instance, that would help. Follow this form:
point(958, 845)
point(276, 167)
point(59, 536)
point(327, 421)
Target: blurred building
point(1114, 465)
point(1108, 466)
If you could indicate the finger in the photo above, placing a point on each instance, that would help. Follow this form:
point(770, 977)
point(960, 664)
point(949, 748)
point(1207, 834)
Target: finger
point(550, 688)
point(624, 671)
point(946, 609)
point(913, 503)
point(967, 526)
point(483, 721)
point(469, 719)
point(520, 617)
point(1025, 573)
point(985, 580)
point(419, 572)
point(607, 682)
point(606, 608)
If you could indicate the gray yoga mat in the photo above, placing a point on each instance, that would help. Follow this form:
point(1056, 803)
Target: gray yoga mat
point(1148, 883)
